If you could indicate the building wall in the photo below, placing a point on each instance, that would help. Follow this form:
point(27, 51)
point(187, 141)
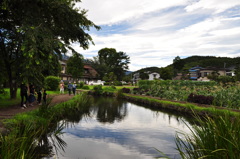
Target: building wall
point(153, 76)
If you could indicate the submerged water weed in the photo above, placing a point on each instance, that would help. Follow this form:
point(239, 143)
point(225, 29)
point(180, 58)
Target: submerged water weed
point(212, 139)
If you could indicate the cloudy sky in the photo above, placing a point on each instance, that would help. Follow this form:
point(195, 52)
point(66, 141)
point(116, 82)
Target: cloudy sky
point(154, 32)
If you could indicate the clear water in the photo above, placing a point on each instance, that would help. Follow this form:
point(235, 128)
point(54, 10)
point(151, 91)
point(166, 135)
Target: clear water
point(122, 130)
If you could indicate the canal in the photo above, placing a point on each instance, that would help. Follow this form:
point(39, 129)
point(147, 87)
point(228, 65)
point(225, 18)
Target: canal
point(118, 129)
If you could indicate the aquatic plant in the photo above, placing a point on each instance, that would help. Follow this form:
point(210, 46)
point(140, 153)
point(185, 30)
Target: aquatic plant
point(30, 131)
point(212, 138)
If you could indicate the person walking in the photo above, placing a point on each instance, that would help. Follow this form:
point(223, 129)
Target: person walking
point(61, 88)
point(31, 96)
point(23, 94)
point(39, 97)
point(70, 86)
point(45, 97)
point(74, 86)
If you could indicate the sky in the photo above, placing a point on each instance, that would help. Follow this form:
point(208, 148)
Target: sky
point(153, 32)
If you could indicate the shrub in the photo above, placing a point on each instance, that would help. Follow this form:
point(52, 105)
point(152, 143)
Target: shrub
point(51, 83)
point(117, 83)
point(113, 87)
point(125, 90)
point(85, 87)
point(97, 90)
point(81, 84)
point(106, 83)
point(201, 99)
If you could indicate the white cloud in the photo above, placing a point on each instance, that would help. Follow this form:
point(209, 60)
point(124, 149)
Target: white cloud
point(114, 11)
point(217, 5)
point(153, 32)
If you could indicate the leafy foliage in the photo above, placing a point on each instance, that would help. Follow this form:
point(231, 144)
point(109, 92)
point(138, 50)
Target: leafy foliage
point(51, 83)
point(214, 138)
point(33, 35)
point(75, 65)
point(126, 90)
point(223, 95)
point(112, 61)
point(201, 99)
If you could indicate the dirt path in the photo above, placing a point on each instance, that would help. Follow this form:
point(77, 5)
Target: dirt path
point(6, 113)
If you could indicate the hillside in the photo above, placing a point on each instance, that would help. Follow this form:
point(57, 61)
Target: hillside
point(149, 69)
point(207, 61)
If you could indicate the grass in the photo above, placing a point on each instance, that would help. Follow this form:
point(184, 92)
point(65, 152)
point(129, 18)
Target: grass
point(28, 131)
point(5, 100)
point(212, 138)
point(108, 87)
point(189, 106)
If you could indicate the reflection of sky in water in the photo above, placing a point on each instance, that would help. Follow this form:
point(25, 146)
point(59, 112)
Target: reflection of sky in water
point(136, 136)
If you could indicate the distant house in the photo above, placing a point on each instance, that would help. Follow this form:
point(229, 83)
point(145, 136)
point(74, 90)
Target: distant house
point(231, 71)
point(201, 74)
point(204, 72)
point(194, 73)
point(151, 76)
point(89, 73)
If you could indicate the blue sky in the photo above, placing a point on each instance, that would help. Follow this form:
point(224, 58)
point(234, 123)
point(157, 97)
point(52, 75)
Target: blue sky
point(154, 32)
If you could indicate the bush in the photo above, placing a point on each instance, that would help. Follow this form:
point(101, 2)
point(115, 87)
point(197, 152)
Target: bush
point(113, 87)
point(117, 83)
point(106, 83)
point(201, 99)
point(51, 83)
point(85, 87)
point(125, 90)
point(81, 84)
point(98, 90)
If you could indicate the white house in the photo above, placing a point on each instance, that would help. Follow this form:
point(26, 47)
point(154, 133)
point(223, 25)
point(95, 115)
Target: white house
point(153, 76)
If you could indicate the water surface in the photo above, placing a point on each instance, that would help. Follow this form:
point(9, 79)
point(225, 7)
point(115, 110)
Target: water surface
point(117, 129)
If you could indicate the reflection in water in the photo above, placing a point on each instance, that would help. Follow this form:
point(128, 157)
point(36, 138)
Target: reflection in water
point(119, 129)
point(109, 110)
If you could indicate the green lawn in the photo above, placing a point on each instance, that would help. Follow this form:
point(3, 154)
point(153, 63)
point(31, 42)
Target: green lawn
point(5, 100)
point(108, 87)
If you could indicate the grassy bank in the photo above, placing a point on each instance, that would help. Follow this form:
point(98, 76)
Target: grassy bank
point(29, 132)
point(5, 100)
point(212, 138)
point(181, 107)
point(215, 135)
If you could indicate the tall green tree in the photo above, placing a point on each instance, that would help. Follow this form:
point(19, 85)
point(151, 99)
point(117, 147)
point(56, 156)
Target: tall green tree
point(113, 61)
point(178, 64)
point(34, 32)
point(75, 66)
point(166, 73)
point(237, 71)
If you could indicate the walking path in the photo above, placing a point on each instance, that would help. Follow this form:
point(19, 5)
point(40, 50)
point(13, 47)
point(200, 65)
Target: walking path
point(7, 113)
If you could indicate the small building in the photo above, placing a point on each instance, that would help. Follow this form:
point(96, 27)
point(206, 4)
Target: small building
point(204, 72)
point(89, 73)
point(151, 76)
point(194, 73)
point(201, 74)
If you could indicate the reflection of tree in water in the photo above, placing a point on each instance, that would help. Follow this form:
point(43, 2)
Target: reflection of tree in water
point(50, 139)
point(110, 110)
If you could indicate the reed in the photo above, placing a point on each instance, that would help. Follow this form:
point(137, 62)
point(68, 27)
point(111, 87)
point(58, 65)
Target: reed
point(217, 138)
point(28, 131)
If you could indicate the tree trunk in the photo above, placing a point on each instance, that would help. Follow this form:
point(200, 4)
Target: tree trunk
point(12, 83)
point(13, 89)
